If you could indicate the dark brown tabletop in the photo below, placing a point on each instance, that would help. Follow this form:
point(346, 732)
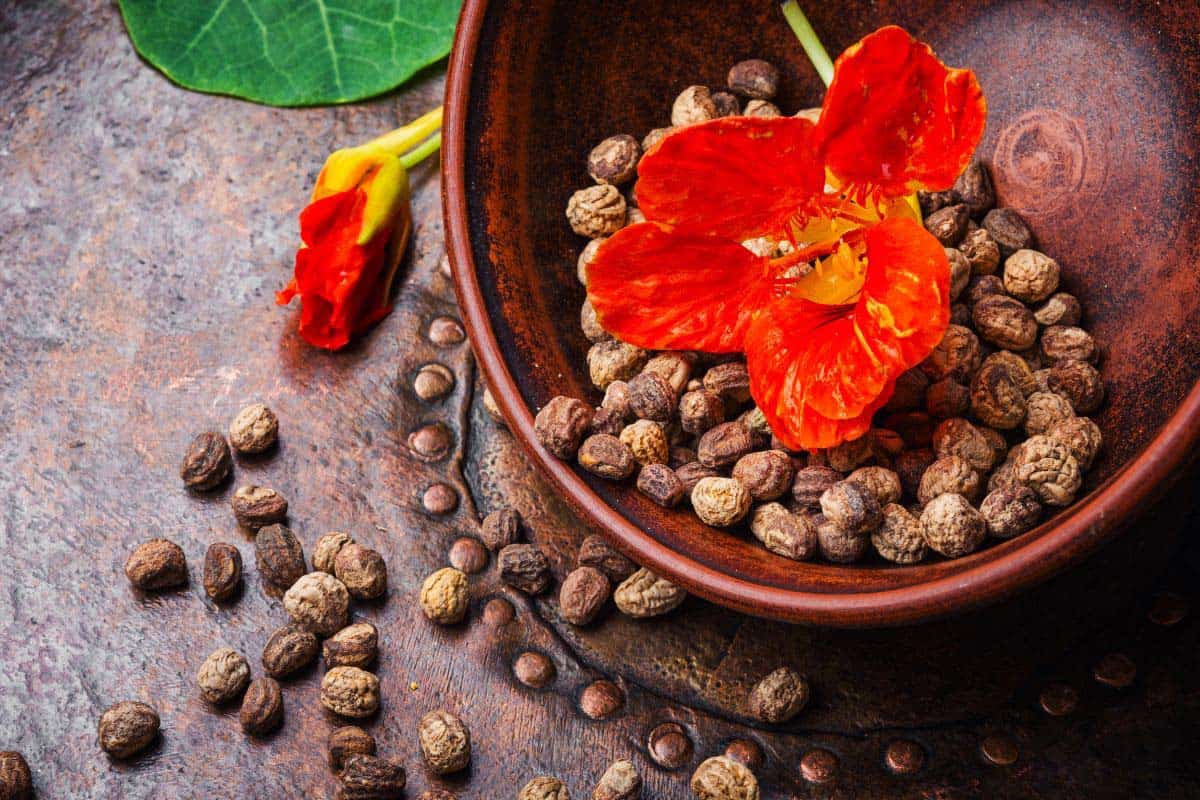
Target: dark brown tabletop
point(143, 232)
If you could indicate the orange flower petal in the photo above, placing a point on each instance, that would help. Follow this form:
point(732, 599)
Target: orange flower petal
point(897, 118)
point(663, 289)
point(734, 177)
point(814, 367)
point(339, 282)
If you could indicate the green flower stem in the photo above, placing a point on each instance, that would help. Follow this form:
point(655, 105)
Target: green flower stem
point(428, 148)
point(808, 40)
point(405, 138)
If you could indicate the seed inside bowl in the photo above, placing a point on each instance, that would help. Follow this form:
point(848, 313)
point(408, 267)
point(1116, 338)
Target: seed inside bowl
point(972, 445)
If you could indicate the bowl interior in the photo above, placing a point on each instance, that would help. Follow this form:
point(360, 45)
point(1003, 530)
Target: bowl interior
point(1090, 136)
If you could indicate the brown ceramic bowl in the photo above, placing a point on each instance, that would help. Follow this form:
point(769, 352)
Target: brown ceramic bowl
point(1091, 135)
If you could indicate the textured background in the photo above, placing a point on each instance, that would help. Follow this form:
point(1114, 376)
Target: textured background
point(143, 231)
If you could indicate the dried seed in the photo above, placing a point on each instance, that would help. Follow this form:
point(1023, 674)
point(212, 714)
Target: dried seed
point(620, 781)
point(544, 787)
point(355, 645)
point(319, 602)
point(1063, 342)
point(997, 400)
point(347, 741)
point(647, 441)
point(255, 429)
point(724, 444)
point(753, 78)
point(362, 570)
point(207, 462)
point(223, 676)
point(721, 778)
point(607, 456)
point(596, 211)
point(727, 104)
point(1008, 229)
point(1046, 409)
point(222, 571)
point(614, 160)
point(16, 781)
point(974, 188)
point(910, 466)
point(524, 567)
point(851, 506)
point(1079, 435)
point(761, 108)
point(501, 528)
point(720, 502)
point(700, 411)
point(367, 777)
point(582, 594)
point(651, 397)
point(279, 556)
point(838, 545)
point(948, 225)
point(1030, 276)
point(1059, 309)
point(812, 482)
point(951, 526)
point(561, 425)
point(350, 692)
point(326, 550)
point(729, 381)
point(644, 594)
point(694, 104)
point(595, 552)
point(660, 483)
point(956, 356)
point(1047, 467)
point(779, 696)
point(947, 398)
point(900, 538)
point(767, 474)
point(157, 564)
point(949, 475)
point(256, 506)
point(262, 707)
point(692, 473)
point(1079, 382)
point(784, 533)
point(882, 483)
point(1010, 511)
point(982, 252)
point(958, 437)
point(127, 728)
point(1005, 322)
point(444, 597)
point(445, 742)
point(674, 367)
point(289, 650)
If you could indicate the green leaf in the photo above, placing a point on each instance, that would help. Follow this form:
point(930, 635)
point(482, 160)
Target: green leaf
point(291, 52)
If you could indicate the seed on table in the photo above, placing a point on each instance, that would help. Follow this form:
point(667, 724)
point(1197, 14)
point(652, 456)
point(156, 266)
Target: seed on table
point(445, 742)
point(501, 528)
point(974, 188)
point(1008, 229)
point(982, 252)
point(223, 676)
point(326, 549)
point(1059, 309)
point(127, 728)
point(660, 483)
point(362, 570)
point(582, 594)
point(779, 696)
point(366, 777)
point(1030, 276)
point(222, 571)
point(467, 555)
point(262, 707)
point(355, 645)
point(694, 104)
point(620, 781)
point(290, 649)
point(319, 602)
point(433, 381)
point(761, 108)
point(644, 594)
point(256, 506)
point(596, 211)
point(614, 160)
point(16, 781)
point(255, 429)
point(350, 692)
point(279, 556)
point(722, 778)
point(596, 552)
point(444, 597)
point(606, 456)
point(157, 564)
point(534, 670)
point(207, 462)
point(524, 567)
point(346, 741)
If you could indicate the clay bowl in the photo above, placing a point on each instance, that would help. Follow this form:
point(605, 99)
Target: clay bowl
point(1091, 135)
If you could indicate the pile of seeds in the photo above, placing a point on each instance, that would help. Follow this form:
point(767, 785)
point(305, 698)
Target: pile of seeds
point(977, 440)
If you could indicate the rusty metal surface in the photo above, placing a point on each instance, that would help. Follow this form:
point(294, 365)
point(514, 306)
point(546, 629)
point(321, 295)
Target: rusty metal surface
point(143, 230)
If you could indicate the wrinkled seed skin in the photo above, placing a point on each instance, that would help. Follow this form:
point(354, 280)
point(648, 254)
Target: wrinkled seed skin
point(279, 556)
point(544, 787)
point(222, 571)
point(660, 483)
point(582, 594)
point(350, 692)
point(444, 597)
point(319, 602)
point(127, 728)
point(501, 528)
point(16, 781)
point(347, 741)
point(262, 707)
point(362, 570)
point(366, 777)
point(256, 506)
point(561, 425)
point(355, 645)
point(156, 565)
point(290, 649)
point(254, 430)
point(223, 676)
point(620, 781)
point(207, 462)
point(524, 567)
point(722, 778)
point(607, 456)
point(595, 552)
point(445, 742)
point(644, 594)
point(325, 551)
point(779, 696)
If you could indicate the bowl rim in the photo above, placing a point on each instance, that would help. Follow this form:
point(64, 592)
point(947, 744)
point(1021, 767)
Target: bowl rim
point(1092, 521)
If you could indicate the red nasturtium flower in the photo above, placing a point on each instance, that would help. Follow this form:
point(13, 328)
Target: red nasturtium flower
point(855, 293)
point(354, 231)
